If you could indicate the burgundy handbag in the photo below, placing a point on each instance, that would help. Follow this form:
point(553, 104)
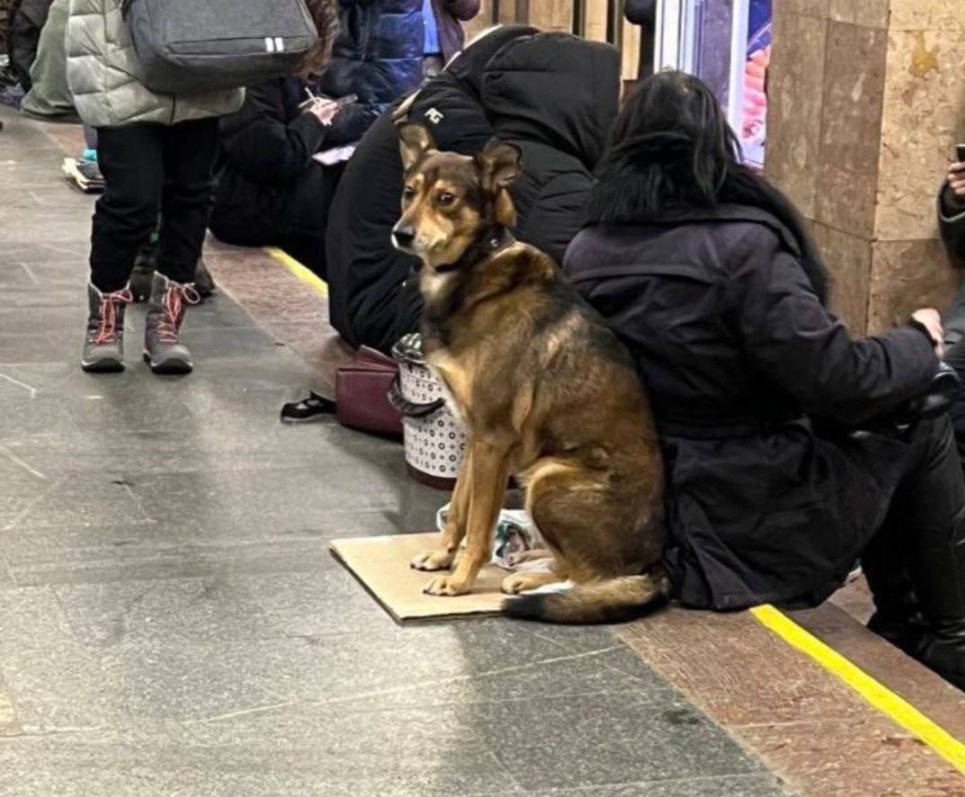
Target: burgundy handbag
point(362, 393)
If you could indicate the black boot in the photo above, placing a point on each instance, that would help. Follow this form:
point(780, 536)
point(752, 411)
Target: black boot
point(203, 281)
point(940, 580)
point(142, 278)
point(897, 616)
point(928, 512)
point(905, 629)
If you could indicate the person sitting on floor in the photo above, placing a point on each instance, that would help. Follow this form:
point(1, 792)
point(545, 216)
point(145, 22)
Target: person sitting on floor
point(709, 275)
point(26, 23)
point(551, 94)
point(951, 224)
point(378, 56)
point(271, 189)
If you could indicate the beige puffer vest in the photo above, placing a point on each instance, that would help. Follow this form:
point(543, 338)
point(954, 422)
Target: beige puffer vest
point(102, 72)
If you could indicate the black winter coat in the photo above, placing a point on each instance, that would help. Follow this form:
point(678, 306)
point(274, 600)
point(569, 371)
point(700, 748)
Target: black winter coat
point(268, 184)
point(552, 95)
point(741, 359)
point(378, 56)
point(951, 222)
point(27, 20)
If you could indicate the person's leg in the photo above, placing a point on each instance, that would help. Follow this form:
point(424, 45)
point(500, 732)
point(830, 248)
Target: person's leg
point(955, 357)
point(189, 153)
point(928, 515)
point(131, 159)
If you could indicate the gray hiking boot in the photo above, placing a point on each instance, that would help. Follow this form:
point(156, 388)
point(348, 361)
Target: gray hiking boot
point(163, 349)
point(104, 344)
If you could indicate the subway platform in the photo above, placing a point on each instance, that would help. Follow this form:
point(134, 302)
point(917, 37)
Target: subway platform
point(171, 621)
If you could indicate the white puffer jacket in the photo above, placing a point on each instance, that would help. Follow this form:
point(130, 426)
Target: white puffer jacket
point(103, 70)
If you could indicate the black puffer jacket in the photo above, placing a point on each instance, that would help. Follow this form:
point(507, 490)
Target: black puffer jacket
point(378, 56)
point(552, 95)
point(555, 97)
point(951, 223)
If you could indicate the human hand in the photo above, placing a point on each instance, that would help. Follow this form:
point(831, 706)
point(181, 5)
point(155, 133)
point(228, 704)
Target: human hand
point(323, 110)
point(931, 320)
point(956, 179)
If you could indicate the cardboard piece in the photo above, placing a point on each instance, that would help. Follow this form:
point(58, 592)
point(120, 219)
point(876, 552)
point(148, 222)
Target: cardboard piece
point(382, 565)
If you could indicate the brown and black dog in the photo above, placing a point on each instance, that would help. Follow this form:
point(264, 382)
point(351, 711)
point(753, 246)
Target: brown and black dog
point(546, 391)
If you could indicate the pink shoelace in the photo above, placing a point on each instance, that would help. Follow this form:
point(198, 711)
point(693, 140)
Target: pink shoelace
point(175, 298)
point(107, 331)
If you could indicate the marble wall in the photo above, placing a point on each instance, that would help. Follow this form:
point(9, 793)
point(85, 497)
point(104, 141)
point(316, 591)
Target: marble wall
point(867, 102)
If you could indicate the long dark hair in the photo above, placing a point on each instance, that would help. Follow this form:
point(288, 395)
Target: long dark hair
point(671, 149)
point(324, 14)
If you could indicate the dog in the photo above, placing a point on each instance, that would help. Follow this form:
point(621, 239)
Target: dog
point(547, 393)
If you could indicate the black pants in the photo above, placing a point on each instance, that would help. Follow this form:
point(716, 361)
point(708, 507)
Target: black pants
point(151, 169)
point(292, 217)
point(955, 357)
point(927, 514)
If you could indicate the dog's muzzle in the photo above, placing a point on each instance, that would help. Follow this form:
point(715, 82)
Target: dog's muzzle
point(403, 238)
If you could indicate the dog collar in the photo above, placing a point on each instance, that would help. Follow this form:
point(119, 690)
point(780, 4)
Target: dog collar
point(494, 242)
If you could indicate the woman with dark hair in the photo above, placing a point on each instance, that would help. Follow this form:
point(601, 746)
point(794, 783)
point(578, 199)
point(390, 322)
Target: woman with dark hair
point(271, 190)
point(708, 274)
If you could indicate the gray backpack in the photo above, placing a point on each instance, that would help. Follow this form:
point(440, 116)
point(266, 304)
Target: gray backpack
point(199, 46)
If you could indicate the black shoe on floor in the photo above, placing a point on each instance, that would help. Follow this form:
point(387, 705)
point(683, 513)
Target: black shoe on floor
point(203, 281)
point(313, 408)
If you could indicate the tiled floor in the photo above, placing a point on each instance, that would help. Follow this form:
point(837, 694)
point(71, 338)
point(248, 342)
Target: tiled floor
point(172, 623)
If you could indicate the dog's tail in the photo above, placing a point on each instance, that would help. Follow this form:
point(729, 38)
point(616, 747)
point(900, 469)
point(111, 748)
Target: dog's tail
point(615, 600)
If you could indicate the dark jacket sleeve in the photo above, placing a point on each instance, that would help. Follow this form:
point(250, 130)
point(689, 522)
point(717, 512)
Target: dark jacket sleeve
point(951, 221)
point(791, 338)
point(263, 145)
point(463, 10)
point(353, 122)
point(557, 215)
point(641, 12)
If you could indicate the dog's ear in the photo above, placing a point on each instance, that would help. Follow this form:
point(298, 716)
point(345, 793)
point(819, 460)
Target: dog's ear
point(501, 165)
point(415, 141)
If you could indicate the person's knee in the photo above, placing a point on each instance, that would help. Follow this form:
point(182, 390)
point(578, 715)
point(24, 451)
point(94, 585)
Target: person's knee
point(131, 207)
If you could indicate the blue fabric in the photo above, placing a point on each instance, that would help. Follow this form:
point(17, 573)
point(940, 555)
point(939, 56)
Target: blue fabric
point(378, 56)
point(432, 46)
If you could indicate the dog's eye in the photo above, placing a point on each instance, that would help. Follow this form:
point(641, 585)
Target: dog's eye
point(408, 192)
point(446, 198)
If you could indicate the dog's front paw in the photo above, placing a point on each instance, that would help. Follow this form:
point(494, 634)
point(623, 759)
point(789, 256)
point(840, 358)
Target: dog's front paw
point(432, 560)
point(446, 586)
point(513, 585)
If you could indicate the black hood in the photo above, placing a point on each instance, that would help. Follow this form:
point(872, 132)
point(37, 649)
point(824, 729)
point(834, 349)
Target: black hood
point(468, 66)
point(555, 89)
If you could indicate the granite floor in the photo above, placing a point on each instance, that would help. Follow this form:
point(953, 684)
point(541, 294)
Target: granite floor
point(171, 622)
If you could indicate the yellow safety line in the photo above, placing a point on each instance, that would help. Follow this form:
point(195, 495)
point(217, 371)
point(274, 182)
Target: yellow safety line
point(883, 699)
point(296, 268)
